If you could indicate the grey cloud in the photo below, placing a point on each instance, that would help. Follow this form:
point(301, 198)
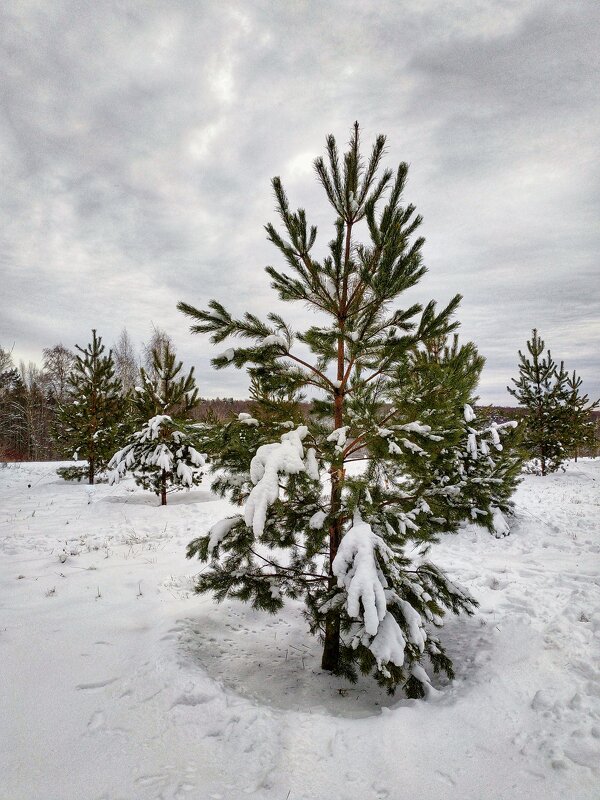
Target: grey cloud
point(137, 143)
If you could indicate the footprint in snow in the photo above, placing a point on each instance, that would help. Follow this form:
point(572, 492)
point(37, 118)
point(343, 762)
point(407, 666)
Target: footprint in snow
point(381, 792)
point(97, 721)
point(151, 780)
point(183, 789)
point(445, 778)
point(192, 700)
point(96, 684)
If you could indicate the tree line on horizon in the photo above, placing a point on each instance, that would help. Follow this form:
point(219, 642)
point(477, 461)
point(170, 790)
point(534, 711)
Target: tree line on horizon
point(30, 398)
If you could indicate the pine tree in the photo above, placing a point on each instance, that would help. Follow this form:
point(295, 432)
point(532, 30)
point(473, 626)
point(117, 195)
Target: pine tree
point(491, 465)
point(354, 542)
point(543, 389)
point(581, 425)
point(162, 454)
point(88, 421)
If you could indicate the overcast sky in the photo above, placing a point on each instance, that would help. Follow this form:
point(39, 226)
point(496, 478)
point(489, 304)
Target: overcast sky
point(138, 140)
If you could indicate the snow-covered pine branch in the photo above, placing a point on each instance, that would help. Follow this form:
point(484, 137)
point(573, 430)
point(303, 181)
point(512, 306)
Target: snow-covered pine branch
point(387, 620)
point(270, 462)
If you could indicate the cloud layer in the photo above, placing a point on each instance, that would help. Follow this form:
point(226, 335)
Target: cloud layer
point(137, 142)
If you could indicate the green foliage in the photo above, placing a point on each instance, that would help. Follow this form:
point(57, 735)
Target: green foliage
point(73, 473)
point(472, 468)
point(314, 525)
point(88, 421)
point(581, 428)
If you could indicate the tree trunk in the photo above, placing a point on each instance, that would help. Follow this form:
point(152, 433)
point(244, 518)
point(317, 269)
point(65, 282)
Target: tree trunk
point(331, 647)
point(543, 458)
point(163, 488)
point(91, 471)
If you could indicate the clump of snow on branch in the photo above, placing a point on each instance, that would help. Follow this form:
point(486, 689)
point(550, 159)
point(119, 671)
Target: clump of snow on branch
point(247, 419)
point(339, 436)
point(219, 531)
point(394, 448)
point(272, 460)
point(317, 520)
point(414, 448)
point(389, 642)
point(416, 631)
point(356, 569)
point(500, 525)
point(312, 465)
point(273, 340)
point(151, 429)
point(479, 442)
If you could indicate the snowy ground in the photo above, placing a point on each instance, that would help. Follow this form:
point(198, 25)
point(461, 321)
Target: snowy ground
point(117, 683)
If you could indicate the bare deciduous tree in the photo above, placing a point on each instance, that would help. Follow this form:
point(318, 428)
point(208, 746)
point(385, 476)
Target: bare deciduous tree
point(57, 364)
point(161, 342)
point(126, 361)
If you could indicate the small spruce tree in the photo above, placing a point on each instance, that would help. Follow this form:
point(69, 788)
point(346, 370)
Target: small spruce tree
point(88, 419)
point(543, 390)
point(162, 453)
point(351, 543)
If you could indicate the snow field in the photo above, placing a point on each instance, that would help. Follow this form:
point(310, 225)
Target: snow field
point(118, 683)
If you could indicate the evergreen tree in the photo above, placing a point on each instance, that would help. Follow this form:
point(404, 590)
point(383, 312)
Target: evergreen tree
point(89, 419)
point(543, 389)
point(162, 454)
point(581, 425)
point(354, 542)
